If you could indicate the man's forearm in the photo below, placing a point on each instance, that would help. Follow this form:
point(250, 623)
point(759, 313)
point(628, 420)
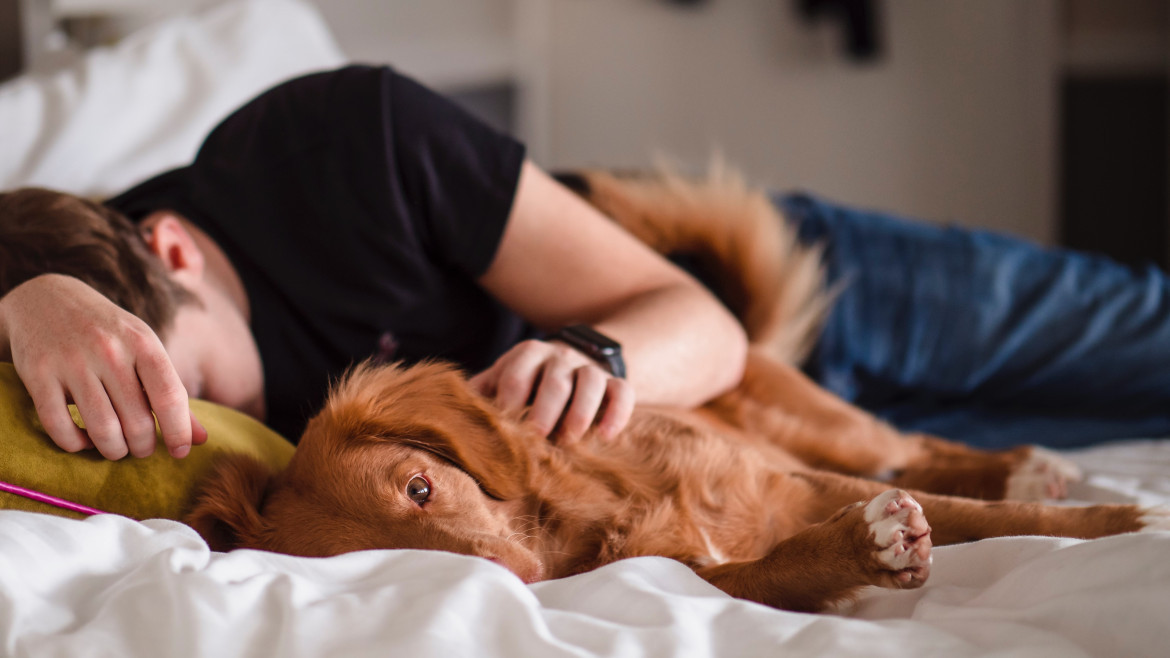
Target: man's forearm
point(681, 346)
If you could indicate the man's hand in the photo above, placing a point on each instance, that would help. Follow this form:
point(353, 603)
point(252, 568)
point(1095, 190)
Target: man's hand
point(562, 385)
point(69, 343)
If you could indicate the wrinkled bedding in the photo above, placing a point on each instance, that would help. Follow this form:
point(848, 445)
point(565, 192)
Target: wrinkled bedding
point(112, 586)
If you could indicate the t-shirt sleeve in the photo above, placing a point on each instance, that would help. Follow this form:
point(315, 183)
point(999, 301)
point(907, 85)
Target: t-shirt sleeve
point(457, 175)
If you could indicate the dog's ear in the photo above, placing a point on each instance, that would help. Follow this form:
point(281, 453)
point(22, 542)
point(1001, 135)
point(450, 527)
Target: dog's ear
point(226, 512)
point(480, 445)
point(430, 406)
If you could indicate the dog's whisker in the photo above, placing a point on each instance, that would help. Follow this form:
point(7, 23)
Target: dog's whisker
point(521, 537)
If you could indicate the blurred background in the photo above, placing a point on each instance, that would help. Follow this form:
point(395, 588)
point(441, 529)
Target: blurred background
point(1042, 118)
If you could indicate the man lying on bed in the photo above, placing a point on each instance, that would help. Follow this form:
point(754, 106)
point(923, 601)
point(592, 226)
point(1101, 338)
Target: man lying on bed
point(353, 213)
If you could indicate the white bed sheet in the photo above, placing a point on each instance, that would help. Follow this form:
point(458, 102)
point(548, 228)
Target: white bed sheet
point(111, 586)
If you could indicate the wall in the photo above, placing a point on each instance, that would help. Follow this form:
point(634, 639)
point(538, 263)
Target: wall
point(956, 124)
point(447, 43)
point(11, 43)
point(1114, 136)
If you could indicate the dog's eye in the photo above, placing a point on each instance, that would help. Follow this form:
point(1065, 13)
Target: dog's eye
point(418, 489)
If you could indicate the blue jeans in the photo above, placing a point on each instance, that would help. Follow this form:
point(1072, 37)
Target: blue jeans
point(987, 339)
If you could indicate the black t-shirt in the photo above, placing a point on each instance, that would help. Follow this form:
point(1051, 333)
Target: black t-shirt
point(358, 208)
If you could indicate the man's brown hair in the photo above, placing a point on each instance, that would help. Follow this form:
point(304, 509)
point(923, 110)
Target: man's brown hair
point(48, 232)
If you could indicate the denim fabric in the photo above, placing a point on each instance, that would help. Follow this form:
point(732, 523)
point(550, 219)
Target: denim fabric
point(985, 338)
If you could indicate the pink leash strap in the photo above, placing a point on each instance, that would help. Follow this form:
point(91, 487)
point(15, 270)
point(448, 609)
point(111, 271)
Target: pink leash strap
point(46, 498)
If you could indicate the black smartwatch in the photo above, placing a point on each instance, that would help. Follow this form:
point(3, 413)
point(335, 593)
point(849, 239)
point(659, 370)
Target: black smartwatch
point(595, 345)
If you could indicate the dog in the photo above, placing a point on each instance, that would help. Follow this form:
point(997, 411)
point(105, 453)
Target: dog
point(776, 492)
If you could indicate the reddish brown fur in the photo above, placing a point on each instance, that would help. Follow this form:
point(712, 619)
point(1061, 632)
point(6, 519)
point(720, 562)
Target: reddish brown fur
point(756, 491)
point(773, 284)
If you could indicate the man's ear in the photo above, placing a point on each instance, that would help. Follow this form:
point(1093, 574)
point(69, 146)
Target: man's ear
point(167, 236)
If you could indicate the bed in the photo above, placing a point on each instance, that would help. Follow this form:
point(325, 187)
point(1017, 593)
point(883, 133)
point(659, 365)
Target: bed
point(108, 585)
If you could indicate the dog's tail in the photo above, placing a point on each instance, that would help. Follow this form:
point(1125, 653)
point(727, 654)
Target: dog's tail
point(735, 238)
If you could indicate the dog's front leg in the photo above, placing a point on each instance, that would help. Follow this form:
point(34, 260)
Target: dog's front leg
point(955, 519)
point(884, 542)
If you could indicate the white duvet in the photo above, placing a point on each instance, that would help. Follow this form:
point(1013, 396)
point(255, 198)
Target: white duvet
point(114, 587)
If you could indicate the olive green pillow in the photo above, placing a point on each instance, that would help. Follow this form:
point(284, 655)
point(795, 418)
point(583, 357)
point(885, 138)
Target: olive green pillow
point(158, 486)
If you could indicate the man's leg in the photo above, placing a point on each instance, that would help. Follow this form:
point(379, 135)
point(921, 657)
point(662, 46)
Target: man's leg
point(985, 338)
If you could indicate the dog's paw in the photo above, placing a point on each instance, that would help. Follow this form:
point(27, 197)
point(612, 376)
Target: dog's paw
point(899, 529)
point(1043, 474)
point(1155, 519)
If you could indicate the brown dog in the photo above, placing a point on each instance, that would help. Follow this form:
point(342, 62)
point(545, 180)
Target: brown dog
point(758, 491)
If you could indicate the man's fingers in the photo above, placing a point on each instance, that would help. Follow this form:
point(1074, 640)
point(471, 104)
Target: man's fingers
point(517, 379)
point(129, 403)
point(53, 410)
point(101, 423)
point(559, 391)
point(552, 396)
point(198, 432)
point(619, 407)
point(484, 383)
point(588, 392)
point(168, 399)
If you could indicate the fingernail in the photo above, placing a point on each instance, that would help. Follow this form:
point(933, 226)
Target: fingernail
point(179, 452)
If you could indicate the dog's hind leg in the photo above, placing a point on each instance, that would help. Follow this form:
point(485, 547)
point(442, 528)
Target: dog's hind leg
point(779, 403)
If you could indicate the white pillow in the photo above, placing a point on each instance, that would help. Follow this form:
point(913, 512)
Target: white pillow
point(124, 113)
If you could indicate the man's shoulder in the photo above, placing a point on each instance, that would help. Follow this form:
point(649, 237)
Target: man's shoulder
point(301, 113)
point(332, 81)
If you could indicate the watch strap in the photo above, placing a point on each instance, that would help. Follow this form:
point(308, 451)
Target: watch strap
point(594, 344)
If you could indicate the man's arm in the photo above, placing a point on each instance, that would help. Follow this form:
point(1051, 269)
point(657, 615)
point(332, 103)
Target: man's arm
point(559, 262)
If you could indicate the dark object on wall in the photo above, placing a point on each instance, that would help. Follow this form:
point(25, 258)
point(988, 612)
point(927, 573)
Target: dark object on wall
point(11, 44)
point(858, 18)
point(1114, 167)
